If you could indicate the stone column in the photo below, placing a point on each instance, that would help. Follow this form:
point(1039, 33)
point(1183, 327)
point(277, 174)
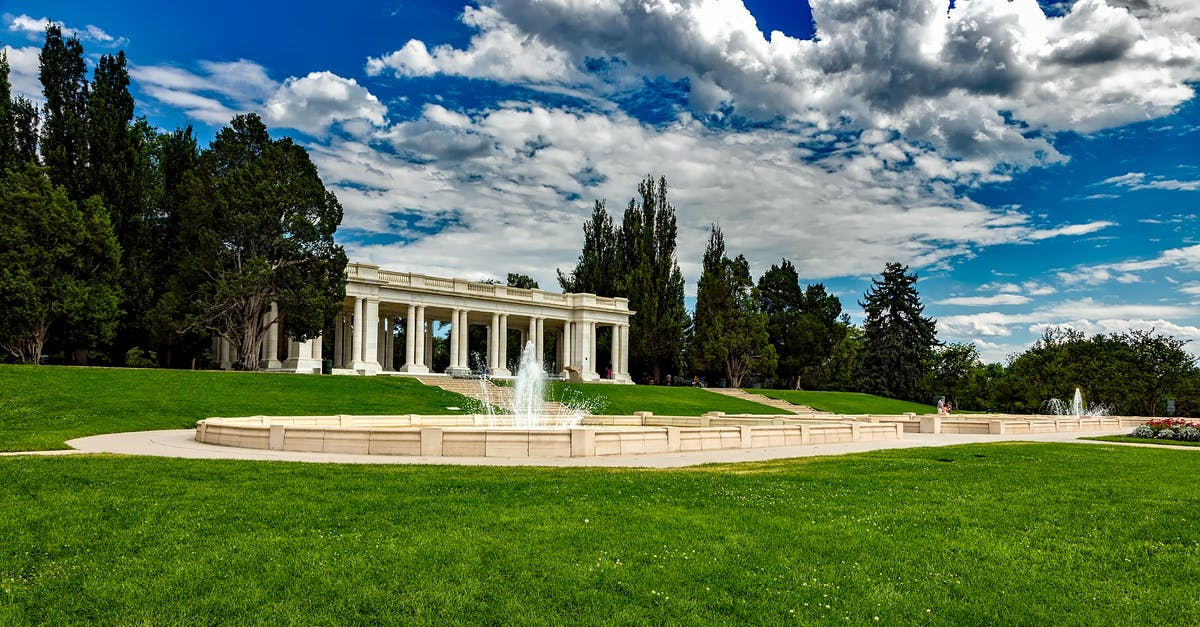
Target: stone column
point(464, 348)
point(625, 350)
point(494, 343)
point(224, 348)
point(567, 355)
point(370, 349)
point(532, 332)
point(410, 341)
point(539, 342)
point(357, 339)
point(419, 337)
point(455, 328)
point(272, 344)
point(502, 354)
point(592, 344)
point(615, 351)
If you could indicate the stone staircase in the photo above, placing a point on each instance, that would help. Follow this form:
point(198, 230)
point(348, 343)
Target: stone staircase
point(485, 391)
point(777, 403)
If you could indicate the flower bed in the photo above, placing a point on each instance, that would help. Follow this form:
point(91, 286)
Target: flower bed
point(1169, 429)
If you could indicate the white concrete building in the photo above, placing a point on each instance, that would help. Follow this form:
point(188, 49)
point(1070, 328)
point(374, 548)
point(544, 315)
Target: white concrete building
point(377, 300)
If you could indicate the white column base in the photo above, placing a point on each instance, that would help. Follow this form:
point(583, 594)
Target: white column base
point(302, 366)
point(414, 369)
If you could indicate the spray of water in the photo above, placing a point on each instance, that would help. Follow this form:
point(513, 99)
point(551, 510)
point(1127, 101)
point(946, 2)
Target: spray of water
point(1076, 408)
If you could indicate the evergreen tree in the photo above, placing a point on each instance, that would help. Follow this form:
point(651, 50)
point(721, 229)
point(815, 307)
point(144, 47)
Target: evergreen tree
point(899, 339)
point(805, 326)
point(729, 332)
point(8, 123)
point(596, 272)
point(26, 131)
point(64, 131)
point(58, 267)
point(262, 226)
point(652, 281)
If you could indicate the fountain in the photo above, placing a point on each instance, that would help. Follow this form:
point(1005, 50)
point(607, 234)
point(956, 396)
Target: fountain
point(1076, 408)
point(528, 405)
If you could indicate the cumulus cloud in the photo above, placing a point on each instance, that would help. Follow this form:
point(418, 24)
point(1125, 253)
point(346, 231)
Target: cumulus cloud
point(314, 102)
point(499, 51)
point(23, 72)
point(986, 78)
point(35, 28)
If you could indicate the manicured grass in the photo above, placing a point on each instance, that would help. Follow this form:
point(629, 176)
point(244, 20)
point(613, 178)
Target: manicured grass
point(603, 398)
point(43, 406)
point(1130, 438)
point(1016, 534)
point(848, 402)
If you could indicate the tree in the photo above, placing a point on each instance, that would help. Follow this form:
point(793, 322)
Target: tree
point(596, 272)
point(262, 226)
point(64, 131)
point(1160, 367)
point(955, 368)
point(805, 325)
point(27, 129)
point(899, 340)
point(58, 266)
point(651, 280)
point(8, 123)
point(729, 331)
point(522, 281)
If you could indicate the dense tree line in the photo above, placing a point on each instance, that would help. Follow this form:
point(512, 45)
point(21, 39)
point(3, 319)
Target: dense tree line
point(780, 333)
point(122, 239)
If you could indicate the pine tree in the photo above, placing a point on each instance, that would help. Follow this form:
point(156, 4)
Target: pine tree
point(730, 332)
point(25, 135)
point(899, 340)
point(64, 129)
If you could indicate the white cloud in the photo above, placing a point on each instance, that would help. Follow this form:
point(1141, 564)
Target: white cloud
point(213, 94)
point(1138, 181)
point(986, 301)
point(1186, 259)
point(938, 74)
point(311, 104)
point(499, 52)
point(35, 29)
point(23, 72)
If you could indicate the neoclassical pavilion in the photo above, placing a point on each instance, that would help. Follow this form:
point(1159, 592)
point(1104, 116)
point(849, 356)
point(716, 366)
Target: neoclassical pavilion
point(377, 299)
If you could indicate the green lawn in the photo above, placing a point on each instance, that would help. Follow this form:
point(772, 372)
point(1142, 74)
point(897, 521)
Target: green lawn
point(1004, 534)
point(604, 398)
point(43, 406)
point(848, 402)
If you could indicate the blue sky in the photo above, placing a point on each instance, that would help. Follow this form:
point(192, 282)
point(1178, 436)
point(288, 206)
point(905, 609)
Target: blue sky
point(1037, 164)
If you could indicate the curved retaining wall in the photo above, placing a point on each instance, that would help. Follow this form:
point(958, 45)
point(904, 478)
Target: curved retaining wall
point(468, 436)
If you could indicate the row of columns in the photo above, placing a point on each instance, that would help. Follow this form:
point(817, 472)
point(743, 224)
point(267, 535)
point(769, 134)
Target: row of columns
point(368, 348)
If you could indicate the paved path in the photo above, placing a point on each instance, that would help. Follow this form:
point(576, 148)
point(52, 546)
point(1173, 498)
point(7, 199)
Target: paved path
point(182, 443)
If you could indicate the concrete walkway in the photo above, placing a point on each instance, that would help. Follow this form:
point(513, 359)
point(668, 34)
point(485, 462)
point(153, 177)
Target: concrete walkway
point(182, 443)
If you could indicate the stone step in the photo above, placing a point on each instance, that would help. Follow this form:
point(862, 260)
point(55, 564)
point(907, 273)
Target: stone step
point(777, 403)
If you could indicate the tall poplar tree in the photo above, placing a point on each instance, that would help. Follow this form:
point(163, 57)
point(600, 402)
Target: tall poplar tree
point(64, 128)
point(25, 135)
point(899, 340)
point(8, 123)
point(652, 281)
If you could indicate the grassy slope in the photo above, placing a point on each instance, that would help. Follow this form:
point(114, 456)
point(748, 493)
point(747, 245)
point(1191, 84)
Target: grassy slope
point(41, 407)
point(970, 535)
point(849, 402)
point(664, 401)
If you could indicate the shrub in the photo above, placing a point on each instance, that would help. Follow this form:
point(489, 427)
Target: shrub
point(1189, 434)
point(138, 358)
point(1165, 434)
point(1143, 431)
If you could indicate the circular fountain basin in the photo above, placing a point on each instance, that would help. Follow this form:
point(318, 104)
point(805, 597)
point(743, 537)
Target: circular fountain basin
point(481, 436)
